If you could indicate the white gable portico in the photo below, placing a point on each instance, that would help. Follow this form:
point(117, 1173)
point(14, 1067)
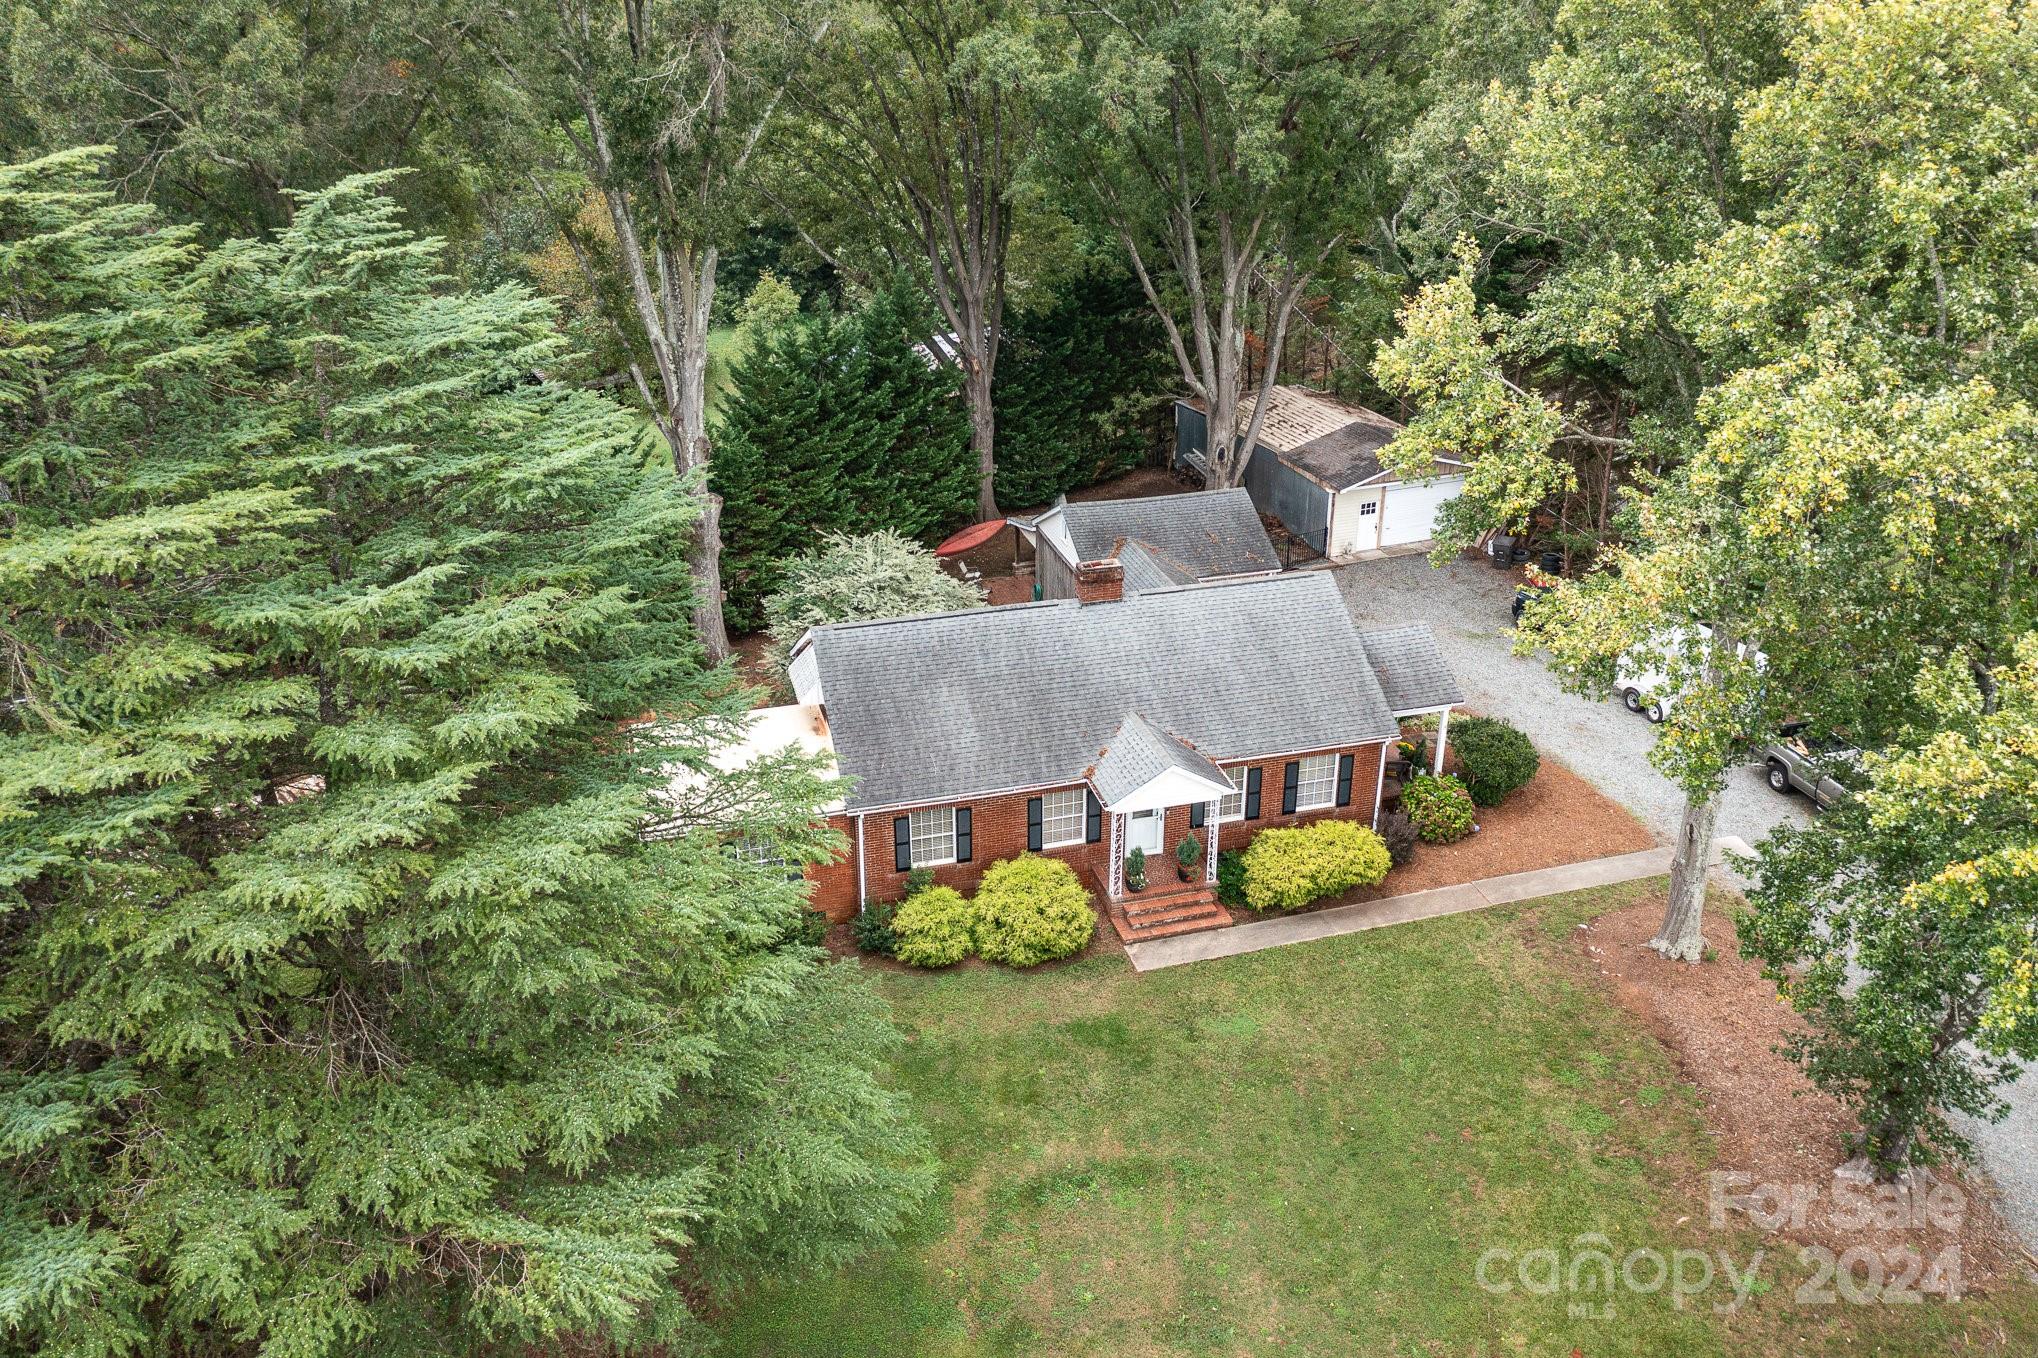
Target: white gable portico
point(1138, 776)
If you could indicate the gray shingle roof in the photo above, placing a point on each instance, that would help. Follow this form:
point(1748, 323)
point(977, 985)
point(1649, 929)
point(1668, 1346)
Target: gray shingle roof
point(1145, 569)
point(1138, 753)
point(1411, 668)
point(952, 705)
point(1200, 534)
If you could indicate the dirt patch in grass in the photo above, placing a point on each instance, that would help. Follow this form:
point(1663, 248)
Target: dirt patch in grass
point(1723, 1023)
point(1554, 819)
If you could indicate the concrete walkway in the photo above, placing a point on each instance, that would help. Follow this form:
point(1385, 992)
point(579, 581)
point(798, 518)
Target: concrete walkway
point(1417, 905)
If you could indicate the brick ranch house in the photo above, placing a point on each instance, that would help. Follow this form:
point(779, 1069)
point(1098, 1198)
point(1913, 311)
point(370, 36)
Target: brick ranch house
point(1082, 729)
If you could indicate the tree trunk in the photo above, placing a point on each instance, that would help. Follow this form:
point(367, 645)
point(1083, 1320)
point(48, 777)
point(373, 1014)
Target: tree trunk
point(1219, 437)
point(983, 431)
point(1679, 939)
point(704, 560)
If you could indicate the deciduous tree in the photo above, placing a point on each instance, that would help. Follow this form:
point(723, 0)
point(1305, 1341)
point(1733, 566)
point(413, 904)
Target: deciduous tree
point(1902, 925)
point(1232, 149)
point(664, 107)
point(912, 131)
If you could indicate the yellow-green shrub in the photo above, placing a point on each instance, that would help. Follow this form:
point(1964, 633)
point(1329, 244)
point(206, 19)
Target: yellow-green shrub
point(1031, 910)
point(1287, 869)
point(934, 928)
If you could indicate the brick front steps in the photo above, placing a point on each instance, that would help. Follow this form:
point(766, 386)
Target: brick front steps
point(1165, 909)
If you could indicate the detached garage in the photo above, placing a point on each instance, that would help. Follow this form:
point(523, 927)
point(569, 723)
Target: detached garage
point(1317, 469)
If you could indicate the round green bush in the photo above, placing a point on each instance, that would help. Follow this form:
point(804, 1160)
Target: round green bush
point(1031, 910)
point(1231, 878)
point(872, 928)
point(933, 928)
point(1496, 757)
point(1287, 869)
point(1440, 807)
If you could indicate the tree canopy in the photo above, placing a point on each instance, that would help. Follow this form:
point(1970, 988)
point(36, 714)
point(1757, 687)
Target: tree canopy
point(345, 1005)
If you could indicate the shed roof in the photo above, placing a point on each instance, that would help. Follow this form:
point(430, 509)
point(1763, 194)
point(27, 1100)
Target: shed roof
point(951, 705)
point(1193, 536)
point(1411, 668)
point(1333, 442)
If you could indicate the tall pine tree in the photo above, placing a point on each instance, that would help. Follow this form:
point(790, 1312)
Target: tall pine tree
point(837, 424)
point(343, 1009)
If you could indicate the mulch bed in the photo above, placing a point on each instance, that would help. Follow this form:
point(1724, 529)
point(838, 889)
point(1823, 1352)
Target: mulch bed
point(1723, 1022)
point(1556, 818)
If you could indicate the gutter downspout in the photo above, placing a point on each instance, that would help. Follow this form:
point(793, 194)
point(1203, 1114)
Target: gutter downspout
point(862, 895)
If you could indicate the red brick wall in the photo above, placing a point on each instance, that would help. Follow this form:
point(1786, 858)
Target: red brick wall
point(998, 832)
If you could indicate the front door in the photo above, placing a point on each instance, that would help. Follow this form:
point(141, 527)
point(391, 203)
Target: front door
point(1143, 831)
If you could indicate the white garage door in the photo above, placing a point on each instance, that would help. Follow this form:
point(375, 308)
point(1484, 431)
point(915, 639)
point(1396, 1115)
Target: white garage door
point(1409, 514)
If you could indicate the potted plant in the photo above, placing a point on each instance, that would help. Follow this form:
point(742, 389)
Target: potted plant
point(1188, 858)
point(1135, 870)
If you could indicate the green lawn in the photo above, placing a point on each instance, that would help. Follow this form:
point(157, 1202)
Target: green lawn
point(726, 346)
point(1306, 1151)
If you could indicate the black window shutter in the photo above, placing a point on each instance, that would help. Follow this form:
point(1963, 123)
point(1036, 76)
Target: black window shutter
point(962, 834)
point(1196, 815)
point(1344, 780)
point(1291, 777)
point(1252, 793)
point(1093, 818)
point(1033, 822)
point(902, 843)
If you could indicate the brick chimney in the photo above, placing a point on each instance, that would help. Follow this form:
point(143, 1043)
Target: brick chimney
point(1100, 582)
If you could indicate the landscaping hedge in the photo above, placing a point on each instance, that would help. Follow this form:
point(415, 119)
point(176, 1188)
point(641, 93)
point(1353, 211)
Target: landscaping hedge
point(1440, 807)
point(1031, 910)
point(1496, 757)
point(1287, 869)
point(1397, 831)
point(1231, 878)
point(934, 928)
point(872, 929)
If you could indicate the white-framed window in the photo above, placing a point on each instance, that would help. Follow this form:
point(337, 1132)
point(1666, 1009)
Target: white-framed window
point(1232, 806)
point(751, 849)
point(1064, 818)
point(1368, 507)
point(1316, 782)
point(933, 837)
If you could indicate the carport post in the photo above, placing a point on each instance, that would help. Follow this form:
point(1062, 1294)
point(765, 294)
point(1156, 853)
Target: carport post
point(1443, 725)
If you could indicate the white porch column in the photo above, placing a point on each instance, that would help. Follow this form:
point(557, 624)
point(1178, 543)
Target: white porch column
point(1380, 779)
point(1117, 853)
point(1210, 853)
point(1443, 725)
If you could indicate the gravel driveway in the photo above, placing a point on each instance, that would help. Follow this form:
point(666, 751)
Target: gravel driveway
point(1468, 604)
